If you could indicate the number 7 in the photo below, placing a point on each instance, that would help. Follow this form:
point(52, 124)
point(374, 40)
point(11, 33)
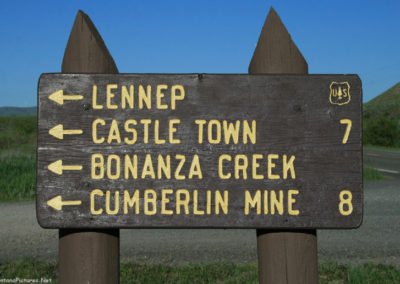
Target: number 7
point(347, 133)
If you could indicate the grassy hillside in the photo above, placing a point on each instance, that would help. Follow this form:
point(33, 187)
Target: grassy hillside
point(381, 116)
point(5, 111)
point(385, 105)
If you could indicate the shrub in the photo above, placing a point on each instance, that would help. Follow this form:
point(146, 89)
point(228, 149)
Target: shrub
point(382, 131)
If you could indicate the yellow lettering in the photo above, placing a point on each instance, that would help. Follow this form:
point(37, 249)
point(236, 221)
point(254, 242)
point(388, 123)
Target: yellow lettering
point(160, 95)
point(130, 167)
point(291, 201)
point(164, 167)
point(195, 168)
point(172, 130)
point(108, 203)
point(272, 165)
point(288, 165)
point(130, 130)
point(348, 128)
point(241, 167)
point(345, 197)
point(208, 202)
point(157, 139)
point(231, 131)
point(217, 124)
point(196, 211)
point(114, 132)
point(127, 97)
point(255, 166)
point(249, 133)
point(97, 163)
point(131, 201)
point(117, 164)
point(94, 130)
point(200, 123)
point(94, 98)
point(164, 201)
point(110, 95)
point(249, 201)
point(221, 202)
point(175, 97)
point(181, 159)
point(220, 166)
point(278, 204)
point(148, 169)
point(150, 201)
point(182, 202)
point(144, 97)
point(92, 202)
point(265, 201)
point(145, 123)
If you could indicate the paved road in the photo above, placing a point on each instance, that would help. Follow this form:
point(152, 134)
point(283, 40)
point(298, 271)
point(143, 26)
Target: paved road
point(377, 240)
point(387, 162)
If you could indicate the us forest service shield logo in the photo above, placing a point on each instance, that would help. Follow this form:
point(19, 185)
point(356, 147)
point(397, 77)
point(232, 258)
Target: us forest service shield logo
point(340, 93)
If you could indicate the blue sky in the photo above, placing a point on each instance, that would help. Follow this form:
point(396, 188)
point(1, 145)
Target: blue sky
point(361, 37)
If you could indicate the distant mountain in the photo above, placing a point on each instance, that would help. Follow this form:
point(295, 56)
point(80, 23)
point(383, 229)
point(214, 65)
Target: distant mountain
point(5, 111)
point(385, 105)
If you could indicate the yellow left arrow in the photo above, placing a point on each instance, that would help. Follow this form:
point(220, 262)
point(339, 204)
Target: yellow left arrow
point(57, 202)
point(59, 97)
point(58, 131)
point(57, 167)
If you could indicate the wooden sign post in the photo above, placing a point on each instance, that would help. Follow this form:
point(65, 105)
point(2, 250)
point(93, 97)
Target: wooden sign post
point(87, 256)
point(284, 256)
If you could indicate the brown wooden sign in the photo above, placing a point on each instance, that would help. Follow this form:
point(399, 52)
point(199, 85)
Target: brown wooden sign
point(199, 150)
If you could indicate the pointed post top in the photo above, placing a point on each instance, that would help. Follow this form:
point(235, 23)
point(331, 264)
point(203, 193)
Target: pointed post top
point(86, 51)
point(271, 11)
point(275, 51)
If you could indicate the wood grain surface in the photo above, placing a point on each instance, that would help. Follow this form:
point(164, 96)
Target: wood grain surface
point(87, 256)
point(294, 117)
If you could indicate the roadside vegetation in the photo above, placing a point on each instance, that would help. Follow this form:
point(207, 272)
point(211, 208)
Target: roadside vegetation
point(130, 272)
point(18, 134)
point(17, 157)
point(17, 177)
point(371, 174)
point(381, 119)
point(384, 132)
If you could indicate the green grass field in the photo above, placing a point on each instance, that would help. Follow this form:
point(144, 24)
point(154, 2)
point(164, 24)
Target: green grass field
point(215, 273)
point(18, 134)
point(17, 177)
point(371, 174)
point(17, 157)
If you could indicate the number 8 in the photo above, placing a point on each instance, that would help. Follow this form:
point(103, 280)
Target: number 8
point(345, 200)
